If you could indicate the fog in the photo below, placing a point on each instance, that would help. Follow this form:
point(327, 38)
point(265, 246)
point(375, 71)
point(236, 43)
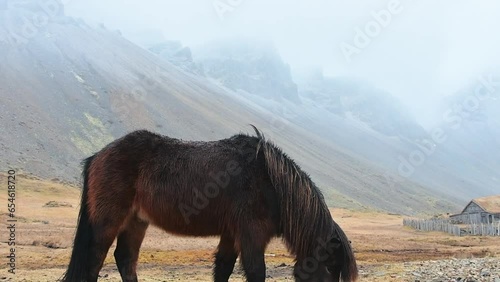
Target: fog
point(440, 62)
point(418, 51)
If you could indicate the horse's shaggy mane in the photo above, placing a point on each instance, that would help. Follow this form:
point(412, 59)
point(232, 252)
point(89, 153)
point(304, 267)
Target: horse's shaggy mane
point(300, 201)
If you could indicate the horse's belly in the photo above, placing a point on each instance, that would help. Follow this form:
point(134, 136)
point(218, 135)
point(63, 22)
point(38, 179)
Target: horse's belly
point(181, 222)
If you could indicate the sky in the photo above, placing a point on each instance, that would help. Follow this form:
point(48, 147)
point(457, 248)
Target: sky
point(419, 51)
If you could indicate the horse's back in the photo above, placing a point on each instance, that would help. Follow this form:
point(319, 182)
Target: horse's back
point(193, 188)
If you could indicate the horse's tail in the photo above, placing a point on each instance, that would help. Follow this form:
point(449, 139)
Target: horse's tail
point(303, 209)
point(78, 265)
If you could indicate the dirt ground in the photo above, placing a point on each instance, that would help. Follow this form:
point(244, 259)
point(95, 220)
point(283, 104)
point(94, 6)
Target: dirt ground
point(45, 230)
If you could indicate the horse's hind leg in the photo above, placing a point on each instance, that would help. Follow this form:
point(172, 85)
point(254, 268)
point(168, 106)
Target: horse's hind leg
point(127, 248)
point(103, 237)
point(225, 258)
point(110, 212)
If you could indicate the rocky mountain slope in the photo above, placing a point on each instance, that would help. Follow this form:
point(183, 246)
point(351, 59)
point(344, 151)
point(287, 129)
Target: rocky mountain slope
point(457, 156)
point(67, 89)
point(359, 101)
point(375, 127)
point(471, 122)
point(254, 67)
point(175, 53)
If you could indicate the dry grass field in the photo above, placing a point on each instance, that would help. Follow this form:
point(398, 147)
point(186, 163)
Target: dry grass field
point(47, 212)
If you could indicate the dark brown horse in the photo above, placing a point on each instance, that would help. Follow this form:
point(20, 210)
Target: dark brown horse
point(243, 188)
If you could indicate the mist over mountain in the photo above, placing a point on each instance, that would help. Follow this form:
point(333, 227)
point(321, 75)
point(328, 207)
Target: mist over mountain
point(375, 126)
point(471, 126)
point(254, 67)
point(68, 88)
point(358, 100)
point(177, 54)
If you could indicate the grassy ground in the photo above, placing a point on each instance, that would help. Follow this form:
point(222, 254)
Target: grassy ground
point(47, 212)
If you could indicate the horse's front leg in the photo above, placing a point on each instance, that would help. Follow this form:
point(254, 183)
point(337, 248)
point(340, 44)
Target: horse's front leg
point(254, 265)
point(225, 258)
point(252, 246)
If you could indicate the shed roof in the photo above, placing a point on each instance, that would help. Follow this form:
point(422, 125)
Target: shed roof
point(490, 204)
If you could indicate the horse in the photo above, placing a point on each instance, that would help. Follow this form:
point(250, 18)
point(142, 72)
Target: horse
point(244, 189)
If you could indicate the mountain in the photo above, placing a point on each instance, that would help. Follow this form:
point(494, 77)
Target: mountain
point(67, 89)
point(254, 67)
point(357, 100)
point(458, 157)
point(471, 124)
point(179, 55)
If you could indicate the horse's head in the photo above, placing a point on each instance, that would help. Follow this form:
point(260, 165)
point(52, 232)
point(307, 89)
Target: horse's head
point(316, 273)
point(325, 264)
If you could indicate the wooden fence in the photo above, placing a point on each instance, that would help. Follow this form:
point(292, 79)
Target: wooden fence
point(444, 225)
point(483, 229)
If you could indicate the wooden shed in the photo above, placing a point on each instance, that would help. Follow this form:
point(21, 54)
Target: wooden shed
point(480, 210)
